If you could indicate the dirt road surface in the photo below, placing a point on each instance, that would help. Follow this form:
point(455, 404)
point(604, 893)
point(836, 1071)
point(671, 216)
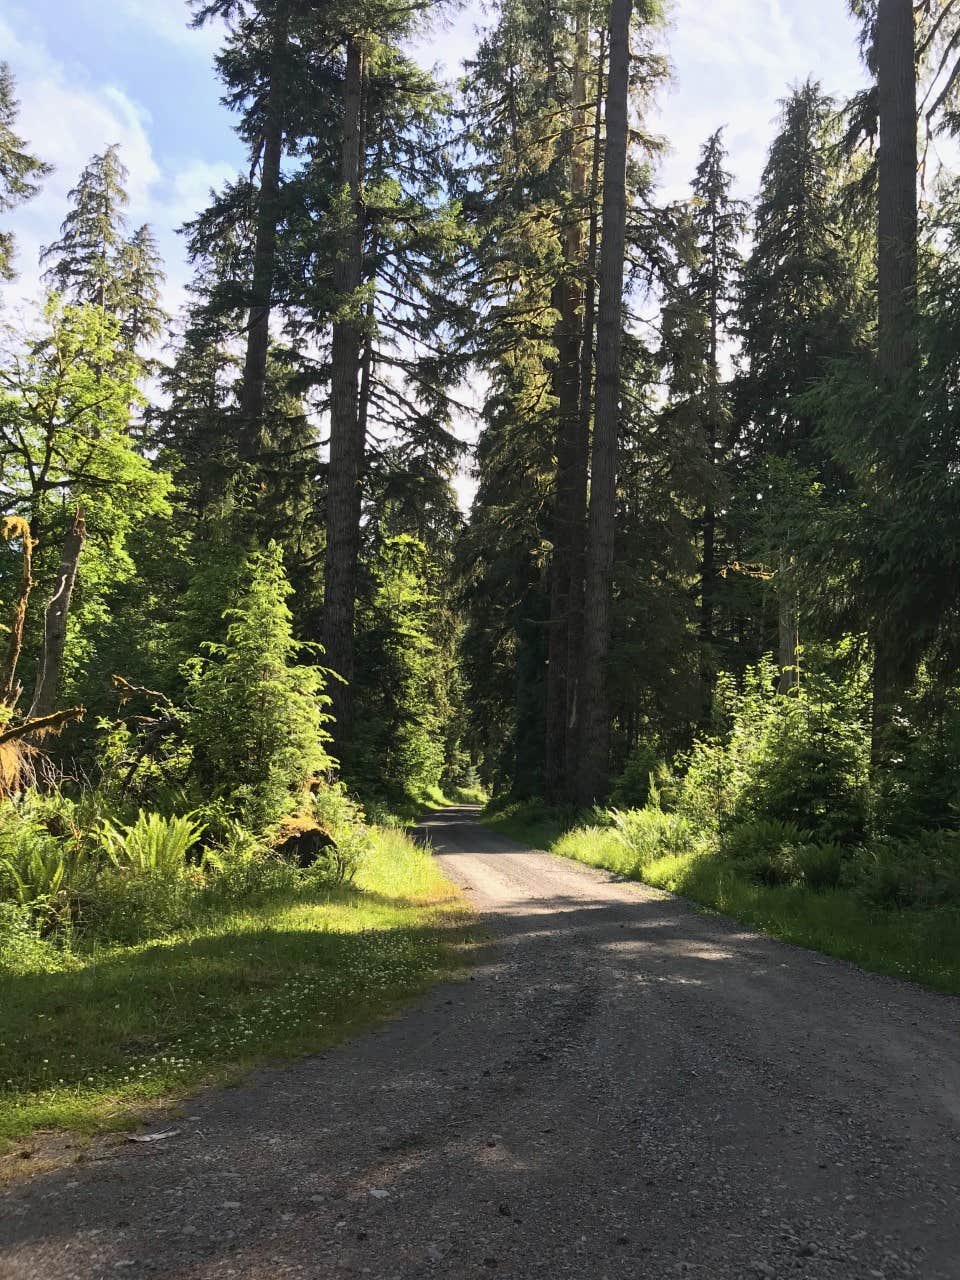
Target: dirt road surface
point(621, 1088)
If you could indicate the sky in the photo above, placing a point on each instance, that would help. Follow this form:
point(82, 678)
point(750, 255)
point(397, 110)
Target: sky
point(93, 72)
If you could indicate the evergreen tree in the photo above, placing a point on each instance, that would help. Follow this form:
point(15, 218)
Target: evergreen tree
point(20, 172)
point(803, 304)
point(594, 740)
point(257, 725)
point(84, 264)
point(140, 278)
point(93, 263)
point(718, 223)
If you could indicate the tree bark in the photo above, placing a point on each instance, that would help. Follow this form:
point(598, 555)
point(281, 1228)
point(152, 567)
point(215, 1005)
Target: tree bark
point(897, 192)
point(788, 625)
point(567, 384)
point(600, 532)
point(253, 388)
point(897, 288)
point(55, 621)
point(343, 486)
point(16, 526)
point(708, 571)
point(581, 469)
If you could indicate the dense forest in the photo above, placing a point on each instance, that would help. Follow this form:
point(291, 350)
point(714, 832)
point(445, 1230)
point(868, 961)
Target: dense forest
point(711, 565)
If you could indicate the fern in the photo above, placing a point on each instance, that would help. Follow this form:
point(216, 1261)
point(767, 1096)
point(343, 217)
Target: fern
point(153, 845)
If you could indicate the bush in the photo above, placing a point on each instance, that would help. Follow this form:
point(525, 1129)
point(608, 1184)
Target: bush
point(821, 866)
point(22, 948)
point(334, 808)
point(343, 820)
point(773, 852)
point(764, 850)
point(918, 871)
point(342, 862)
point(153, 845)
point(801, 760)
point(46, 864)
point(254, 875)
point(632, 789)
point(128, 908)
point(256, 724)
point(650, 833)
point(920, 785)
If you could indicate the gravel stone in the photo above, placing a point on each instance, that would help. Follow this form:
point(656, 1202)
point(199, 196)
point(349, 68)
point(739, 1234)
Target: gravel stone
point(623, 1088)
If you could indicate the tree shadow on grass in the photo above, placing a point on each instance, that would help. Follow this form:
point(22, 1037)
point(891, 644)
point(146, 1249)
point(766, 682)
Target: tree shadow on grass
point(157, 1019)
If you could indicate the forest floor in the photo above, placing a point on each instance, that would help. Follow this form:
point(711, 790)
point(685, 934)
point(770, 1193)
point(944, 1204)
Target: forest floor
point(118, 1033)
point(921, 943)
point(622, 1086)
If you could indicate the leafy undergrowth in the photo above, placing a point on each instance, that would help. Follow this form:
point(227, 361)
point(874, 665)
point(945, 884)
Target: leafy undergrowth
point(406, 809)
point(922, 945)
point(96, 1044)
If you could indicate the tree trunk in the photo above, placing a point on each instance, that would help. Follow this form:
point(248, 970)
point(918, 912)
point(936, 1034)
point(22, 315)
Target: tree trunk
point(600, 532)
point(708, 573)
point(567, 383)
point(55, 621)
point(897, 193)
point(15, 526)
point(897, 285)
point(343, 486)
point(253, 389)
point(788, 625)
point(581, 472)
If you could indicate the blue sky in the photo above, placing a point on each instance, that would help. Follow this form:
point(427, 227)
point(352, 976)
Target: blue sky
point(92, 72)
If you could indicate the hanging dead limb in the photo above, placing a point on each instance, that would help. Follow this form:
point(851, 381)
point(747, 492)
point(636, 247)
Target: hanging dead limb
point(40, 726)
point(17, 527)
point(20, 756)
point(55, 621)
point(165, 722)
point(128, 691)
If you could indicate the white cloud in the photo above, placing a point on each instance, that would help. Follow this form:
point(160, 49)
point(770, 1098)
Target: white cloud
point(170, 20)
point(733, 61)
point(65, 122)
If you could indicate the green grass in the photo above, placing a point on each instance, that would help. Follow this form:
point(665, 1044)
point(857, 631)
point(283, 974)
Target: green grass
point(93, 1046)
point(407, 809)
point(530, 821)
point(920, 944)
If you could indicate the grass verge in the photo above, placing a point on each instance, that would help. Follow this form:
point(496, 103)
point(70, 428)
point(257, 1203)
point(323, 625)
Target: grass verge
point(922, 945)
point(93, 1046)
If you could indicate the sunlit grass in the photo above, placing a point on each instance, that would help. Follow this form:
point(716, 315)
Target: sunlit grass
point(89, 1047)
point(922, 945)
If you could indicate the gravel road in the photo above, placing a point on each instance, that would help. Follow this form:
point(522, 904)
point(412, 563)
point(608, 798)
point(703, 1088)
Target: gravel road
point(622, 1088)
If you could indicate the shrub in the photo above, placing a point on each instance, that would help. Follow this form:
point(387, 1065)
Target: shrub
point(795, 759)
point(256, 724)
point(651, 833)
point(152, 845)
point(632, 789)
point(128, 908)
point(249, 873)
point(920, 784)
point(775, 852)
point(22, 947)
point(333, 807)
point(821, 866)
point(343, 820)
point(45, 862)
point(342, 862)
point(918, 871)
point(764, 850)
point(809, 768)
